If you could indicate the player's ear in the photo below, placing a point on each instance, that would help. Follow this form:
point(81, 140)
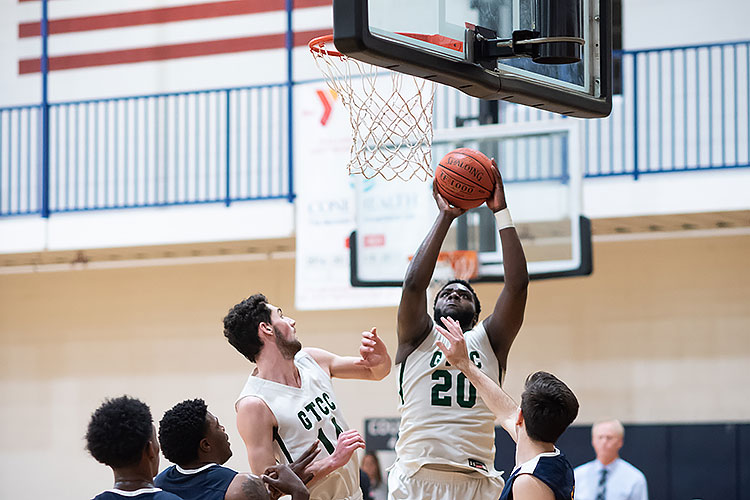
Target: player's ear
point(519, 416)
point(265, 328)
point(204, 445)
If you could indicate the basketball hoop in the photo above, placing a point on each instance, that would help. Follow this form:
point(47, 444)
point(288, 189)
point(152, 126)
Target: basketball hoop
point(390, 115)
point(461, 264)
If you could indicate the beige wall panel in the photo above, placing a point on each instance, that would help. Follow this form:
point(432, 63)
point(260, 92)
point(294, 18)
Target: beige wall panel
point(659, 333)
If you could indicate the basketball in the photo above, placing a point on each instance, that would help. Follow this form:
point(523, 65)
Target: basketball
point(465, 178)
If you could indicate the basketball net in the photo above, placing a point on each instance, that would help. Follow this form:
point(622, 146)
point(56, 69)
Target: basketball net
point(390, 114)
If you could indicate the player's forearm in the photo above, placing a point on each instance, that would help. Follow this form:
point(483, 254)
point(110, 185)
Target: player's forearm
point(496, 399)
point(380, 371)
point(514, 260)
point(422, 265)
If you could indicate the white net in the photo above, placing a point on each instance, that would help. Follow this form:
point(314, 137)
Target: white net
point(390, 115)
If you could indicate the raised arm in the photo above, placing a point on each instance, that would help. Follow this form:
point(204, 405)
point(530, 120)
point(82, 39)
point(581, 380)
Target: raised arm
point(373, 363)
point(503, 324)
point(496, 399)
point(413, 321)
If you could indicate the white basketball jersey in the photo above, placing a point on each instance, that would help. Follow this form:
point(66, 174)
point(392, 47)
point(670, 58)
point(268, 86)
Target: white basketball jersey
point(304, 415)
point(443, 420)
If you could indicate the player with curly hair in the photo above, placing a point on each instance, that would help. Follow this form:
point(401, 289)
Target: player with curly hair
point(288, 402)
point(194, 440)
point(121, 435)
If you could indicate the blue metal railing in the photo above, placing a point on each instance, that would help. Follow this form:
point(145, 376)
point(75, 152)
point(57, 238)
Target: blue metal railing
point(681, 109)
point(19, 173)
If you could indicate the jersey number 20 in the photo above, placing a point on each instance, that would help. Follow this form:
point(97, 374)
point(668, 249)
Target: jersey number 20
point(441, 390)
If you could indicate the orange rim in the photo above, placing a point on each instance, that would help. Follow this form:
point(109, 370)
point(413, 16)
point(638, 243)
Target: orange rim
point(316, 45)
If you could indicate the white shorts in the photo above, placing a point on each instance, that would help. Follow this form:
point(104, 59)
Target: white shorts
point(431, 484)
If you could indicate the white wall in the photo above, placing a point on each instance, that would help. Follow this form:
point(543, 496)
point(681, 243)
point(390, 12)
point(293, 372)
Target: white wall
point(664, 23)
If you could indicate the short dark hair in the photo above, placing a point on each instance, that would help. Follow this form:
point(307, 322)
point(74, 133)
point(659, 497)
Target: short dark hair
point(548, 406)
point(181, 429)
point(477, 305)
point(241, 325)
point(119, 431)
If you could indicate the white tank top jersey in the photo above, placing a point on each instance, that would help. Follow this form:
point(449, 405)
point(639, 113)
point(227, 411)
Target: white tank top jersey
point(443, 420)
point(304, 415)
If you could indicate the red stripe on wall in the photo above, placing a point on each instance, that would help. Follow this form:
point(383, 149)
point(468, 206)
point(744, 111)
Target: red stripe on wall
point(152, 16)
point(163, 15)
point(164, 52)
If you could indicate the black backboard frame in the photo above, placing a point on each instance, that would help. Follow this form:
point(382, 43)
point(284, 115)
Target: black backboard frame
point(352, 36)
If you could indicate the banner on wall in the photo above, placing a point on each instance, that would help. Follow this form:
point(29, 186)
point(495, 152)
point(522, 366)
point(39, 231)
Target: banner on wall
point(103, 49)
point(325, 206)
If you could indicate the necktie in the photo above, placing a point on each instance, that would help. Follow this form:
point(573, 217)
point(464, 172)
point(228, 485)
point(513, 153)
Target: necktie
point(601, 490)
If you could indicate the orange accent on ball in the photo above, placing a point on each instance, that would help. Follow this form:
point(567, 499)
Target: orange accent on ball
point(465, 178)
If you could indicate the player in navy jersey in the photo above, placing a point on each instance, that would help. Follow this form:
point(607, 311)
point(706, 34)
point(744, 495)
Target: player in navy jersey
point(192, 438)
point(121, 435)
point(547, 408)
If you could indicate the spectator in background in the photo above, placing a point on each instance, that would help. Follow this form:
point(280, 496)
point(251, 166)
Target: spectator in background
point(609, 477)
point(371, 467)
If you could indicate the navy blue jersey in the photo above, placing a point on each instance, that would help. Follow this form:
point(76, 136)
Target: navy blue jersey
point(552, 469)
point(207, 483)
point(142, 494)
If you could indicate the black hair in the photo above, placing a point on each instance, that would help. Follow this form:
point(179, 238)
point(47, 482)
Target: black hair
point(241, 325)
point(548, 407)
point(181, 429)
point(477, 305)
point(119, 431)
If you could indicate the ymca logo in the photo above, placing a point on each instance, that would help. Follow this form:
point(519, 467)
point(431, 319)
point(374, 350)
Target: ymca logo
point(327, 98)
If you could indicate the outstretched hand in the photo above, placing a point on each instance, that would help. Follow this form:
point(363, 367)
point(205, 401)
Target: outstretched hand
point(496, 201)
point(348, 442)
point(445, 207)
point(456, 353)
point(372, 351)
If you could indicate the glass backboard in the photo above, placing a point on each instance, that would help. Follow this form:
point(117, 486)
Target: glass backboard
point(542, 182)
point(447, 41)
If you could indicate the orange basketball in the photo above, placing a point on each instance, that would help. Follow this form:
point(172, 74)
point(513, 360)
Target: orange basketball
point(465, 178)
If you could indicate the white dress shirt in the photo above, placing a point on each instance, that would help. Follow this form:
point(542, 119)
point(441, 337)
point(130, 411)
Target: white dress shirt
point(624, 482)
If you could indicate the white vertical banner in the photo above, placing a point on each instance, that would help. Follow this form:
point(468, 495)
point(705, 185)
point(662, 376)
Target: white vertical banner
point(325, 206)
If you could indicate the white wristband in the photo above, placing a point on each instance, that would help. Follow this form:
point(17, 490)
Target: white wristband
point(503, 220)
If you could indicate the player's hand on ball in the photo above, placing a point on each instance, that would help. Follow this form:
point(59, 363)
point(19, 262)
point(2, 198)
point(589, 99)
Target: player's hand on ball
point(496, 201)
point(456, 352)
point(445, 207)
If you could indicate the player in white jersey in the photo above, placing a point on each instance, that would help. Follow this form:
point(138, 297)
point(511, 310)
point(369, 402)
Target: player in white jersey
point(446, 448)
point(288, 401)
